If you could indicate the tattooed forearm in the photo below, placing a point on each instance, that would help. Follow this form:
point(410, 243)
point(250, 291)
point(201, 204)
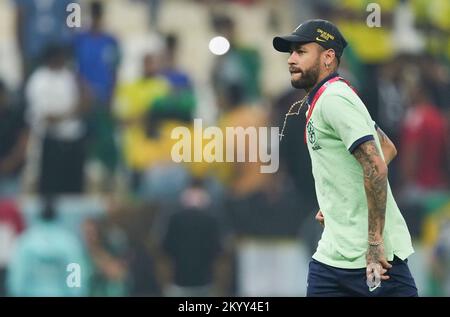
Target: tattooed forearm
point(375, 184)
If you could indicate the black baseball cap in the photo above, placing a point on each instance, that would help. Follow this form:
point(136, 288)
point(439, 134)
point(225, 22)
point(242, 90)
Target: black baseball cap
point(322, 32)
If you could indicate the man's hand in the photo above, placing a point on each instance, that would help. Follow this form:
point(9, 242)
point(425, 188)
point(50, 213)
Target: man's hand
point(320, 218)
point(377, 265)
point(375, 185)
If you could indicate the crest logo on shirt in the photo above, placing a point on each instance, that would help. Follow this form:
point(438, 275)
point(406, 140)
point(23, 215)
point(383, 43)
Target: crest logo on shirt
point(312, 139)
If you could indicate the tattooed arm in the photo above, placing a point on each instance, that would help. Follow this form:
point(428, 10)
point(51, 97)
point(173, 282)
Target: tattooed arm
point(375, 185)
point(387, 146)
point(389, 152)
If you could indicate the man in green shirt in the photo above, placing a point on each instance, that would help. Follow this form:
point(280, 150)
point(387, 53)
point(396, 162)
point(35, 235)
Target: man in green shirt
point(365, 243)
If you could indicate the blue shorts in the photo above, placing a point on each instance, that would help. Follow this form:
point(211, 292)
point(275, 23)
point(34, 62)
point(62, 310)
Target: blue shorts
point(325, 280)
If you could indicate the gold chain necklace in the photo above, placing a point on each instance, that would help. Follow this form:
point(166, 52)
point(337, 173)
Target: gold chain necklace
point(290, 113)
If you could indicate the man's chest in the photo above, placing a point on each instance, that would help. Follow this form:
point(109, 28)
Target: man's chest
point(320, 137)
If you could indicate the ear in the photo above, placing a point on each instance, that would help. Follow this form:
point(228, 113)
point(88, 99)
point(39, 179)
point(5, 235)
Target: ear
point(328, 57)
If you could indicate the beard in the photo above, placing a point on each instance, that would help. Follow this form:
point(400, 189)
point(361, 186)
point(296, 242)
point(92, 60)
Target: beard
point(308, 78)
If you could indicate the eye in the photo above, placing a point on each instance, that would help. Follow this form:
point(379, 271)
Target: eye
point(298, 51)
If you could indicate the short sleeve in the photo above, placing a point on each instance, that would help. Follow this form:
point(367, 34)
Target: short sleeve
point(348, 120)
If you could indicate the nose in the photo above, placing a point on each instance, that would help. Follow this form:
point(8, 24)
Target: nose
point(291, 58)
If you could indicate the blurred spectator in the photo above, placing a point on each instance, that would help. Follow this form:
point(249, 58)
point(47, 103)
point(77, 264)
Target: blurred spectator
point(109, 249)
point(38, 24)
point(146, 133)
point(424, 144)
point(267, 225)
point(362, 55)
point(97, 55)
point(162, 180)
point(392, 97)
point(193, 246)
point(240, 66)
point(144, 280)
point(437, 81)
point(179, 104)
point(133, 103)
point(423, 157)
point(40, 260)
point(240, 177)
point(14, 138)
point(136, 98)
point(252, 215)
point(11, 226)
point(177, 78)
point(55, 109)
point(405, 36)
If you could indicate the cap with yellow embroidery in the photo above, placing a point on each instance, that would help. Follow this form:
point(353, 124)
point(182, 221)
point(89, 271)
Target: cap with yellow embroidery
point(322, 32)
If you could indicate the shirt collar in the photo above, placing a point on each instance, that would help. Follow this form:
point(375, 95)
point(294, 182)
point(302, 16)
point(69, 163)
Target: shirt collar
point(320, 84)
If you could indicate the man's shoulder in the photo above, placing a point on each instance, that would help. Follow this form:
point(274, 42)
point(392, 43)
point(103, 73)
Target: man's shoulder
point(339, 94)
point(340, 89)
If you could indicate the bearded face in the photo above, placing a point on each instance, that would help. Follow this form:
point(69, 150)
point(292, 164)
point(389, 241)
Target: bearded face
point(304, 65)
point(305, 78)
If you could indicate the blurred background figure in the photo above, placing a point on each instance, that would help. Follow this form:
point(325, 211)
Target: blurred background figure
point(239, 67)
point(14, 135)
point(108, 247)
point(40, 23)
point(193, 247)
point(97, 57)
point(424, 163)
point(270, 251)
point(55, 114)
point(39, 263)
point(179, 103)
point(134, 101)
point(144, 280)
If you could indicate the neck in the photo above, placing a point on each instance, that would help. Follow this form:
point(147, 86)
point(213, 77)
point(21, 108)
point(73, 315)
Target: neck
point(96, 27)
point(321, 77)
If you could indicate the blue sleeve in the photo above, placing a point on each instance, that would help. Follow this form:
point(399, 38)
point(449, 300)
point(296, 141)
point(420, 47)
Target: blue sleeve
point(360, 141)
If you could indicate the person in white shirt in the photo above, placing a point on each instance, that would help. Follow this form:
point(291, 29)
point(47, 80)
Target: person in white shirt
point(55, 109)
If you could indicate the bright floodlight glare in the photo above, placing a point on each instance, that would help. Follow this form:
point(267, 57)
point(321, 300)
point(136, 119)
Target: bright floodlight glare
point(219, 45)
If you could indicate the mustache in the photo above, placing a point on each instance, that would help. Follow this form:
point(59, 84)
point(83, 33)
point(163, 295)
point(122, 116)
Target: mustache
point(295, 70)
